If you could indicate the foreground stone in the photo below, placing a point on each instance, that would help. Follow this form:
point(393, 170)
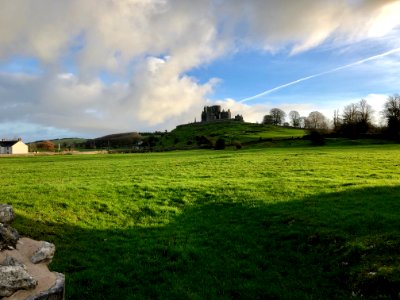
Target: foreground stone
point(11, 261)
point(56, 292)
point(44, 253)
point(6, 214)
point(50, 285)
point(24, 272)
point(14, 278)
point(8, 237)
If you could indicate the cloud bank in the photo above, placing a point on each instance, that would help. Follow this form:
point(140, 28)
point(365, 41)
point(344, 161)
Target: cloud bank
point(148, 48)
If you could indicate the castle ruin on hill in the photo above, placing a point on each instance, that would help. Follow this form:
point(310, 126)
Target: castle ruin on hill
point(214, 113)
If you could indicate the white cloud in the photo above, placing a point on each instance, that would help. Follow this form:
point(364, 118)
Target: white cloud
point(305, 24)
point(155, 43)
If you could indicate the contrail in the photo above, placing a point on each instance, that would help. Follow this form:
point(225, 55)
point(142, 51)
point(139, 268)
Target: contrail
point(267, 92)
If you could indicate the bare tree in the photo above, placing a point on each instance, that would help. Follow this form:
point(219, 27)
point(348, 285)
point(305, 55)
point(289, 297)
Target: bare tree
point(278, 116)
point(302, 122)
point(392, 107)
point(316, 120)
point(365, 112)
point(350, 114)
point(357, 118)
point(392, 113)
point(294, 118)
point(336, 119)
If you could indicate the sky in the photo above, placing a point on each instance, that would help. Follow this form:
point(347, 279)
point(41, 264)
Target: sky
point(87, 68)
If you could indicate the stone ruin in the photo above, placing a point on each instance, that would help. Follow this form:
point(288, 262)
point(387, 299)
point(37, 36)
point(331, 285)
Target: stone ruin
point(24, 273)
point(214, 113)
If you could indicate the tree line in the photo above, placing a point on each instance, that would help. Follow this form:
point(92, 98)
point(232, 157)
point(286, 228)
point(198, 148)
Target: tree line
point(356, 119)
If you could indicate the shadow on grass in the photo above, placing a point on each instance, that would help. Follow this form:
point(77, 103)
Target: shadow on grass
point(331, 246)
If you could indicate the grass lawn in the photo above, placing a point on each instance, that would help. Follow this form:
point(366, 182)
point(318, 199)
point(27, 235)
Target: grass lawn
point(277, 223)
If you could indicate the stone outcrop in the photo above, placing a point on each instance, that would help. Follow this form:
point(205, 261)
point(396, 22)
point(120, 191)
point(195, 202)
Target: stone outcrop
point(24, 272)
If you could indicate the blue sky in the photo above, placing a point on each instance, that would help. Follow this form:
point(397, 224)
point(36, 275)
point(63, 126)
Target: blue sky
point(90, 68)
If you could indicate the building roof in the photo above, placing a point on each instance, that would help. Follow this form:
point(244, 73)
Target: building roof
point(5, 143)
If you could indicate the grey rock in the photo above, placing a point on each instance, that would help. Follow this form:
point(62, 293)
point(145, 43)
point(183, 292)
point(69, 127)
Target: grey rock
point(8, 237)
point(6, 213)
point(11, 261)
point(14, 278)
point(44, 253)
point(56, 292)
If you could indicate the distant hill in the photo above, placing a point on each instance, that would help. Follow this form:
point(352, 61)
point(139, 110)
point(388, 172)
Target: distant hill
point(69, 141)
point(118, 140)
point(65, 142)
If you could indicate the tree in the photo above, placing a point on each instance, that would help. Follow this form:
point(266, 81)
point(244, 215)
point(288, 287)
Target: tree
point(278, 116)
point(357, 118)
point(365, 111)
point(45, 145)
point(294, 118)
point(336, 120)
point(350, 114)
point(364, 116)
point(316, 120)
point(392, 114)
point(302, 122)
point(267, 120)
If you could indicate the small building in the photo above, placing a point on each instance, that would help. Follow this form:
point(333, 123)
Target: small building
point(13, 147)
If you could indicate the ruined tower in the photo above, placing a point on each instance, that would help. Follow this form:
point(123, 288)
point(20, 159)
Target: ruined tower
point(212, 113)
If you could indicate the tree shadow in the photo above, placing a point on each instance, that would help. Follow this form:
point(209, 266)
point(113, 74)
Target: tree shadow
point(329, 246)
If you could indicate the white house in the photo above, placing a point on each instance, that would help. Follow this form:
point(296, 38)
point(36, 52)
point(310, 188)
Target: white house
point(13, 147)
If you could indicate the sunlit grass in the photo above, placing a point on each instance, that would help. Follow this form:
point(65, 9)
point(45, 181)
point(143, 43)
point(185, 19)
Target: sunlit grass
point(298, 223)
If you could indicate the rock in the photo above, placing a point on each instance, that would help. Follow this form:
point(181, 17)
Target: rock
point(14, 278)
point(24, 273)
point(6, 213)
point(56, 292)
point(44, 253)
point(11, 261)
point(8, 237)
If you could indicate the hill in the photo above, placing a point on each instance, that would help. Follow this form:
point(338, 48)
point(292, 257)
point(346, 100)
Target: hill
point(232, 132)
point(64, 142)
point(117, 140)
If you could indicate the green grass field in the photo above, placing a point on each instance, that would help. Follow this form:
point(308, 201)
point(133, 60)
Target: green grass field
point(278, 223)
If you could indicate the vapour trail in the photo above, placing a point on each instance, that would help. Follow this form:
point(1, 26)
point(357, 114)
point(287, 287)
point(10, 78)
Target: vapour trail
point(267, 92)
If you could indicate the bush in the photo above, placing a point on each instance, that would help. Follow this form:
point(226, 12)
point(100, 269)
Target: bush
point(220, 144)
point(238, 145)
point(316, 138)
point(203, 142)
point(45, 146)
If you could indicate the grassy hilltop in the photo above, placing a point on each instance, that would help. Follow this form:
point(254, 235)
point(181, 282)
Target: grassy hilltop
point(231, 131)
point(277, 223)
